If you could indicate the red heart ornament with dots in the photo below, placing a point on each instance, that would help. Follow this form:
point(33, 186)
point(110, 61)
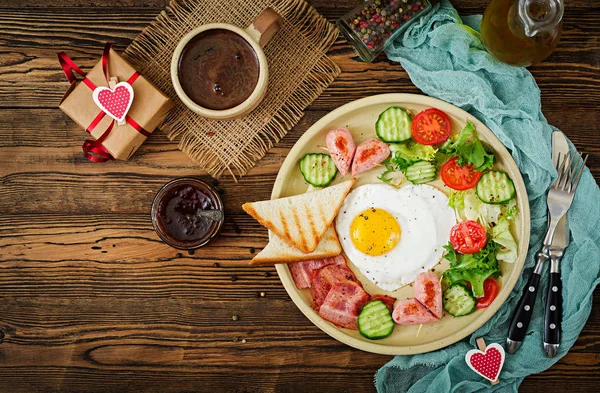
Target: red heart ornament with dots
point(115, 102)
point(487, 363)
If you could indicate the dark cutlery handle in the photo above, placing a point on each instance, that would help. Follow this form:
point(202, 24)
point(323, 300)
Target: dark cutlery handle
point(522, 315)
point(553, 314)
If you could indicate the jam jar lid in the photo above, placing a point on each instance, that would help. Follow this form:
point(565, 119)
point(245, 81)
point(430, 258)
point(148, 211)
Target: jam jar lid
point(187, 213)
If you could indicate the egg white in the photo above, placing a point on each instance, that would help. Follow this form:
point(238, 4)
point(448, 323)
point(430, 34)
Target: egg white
point(425, 221)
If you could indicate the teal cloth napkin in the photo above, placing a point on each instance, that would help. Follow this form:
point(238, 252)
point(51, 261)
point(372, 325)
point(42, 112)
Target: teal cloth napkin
point(445, 58)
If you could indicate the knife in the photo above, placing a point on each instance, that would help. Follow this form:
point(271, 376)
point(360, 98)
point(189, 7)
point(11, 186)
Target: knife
point(524, 310)
point(553, 310)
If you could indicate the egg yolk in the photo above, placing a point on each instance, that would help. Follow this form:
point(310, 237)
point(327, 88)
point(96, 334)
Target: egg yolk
point(375, 232)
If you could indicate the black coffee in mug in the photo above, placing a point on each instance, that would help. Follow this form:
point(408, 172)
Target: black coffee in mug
point(218, 69)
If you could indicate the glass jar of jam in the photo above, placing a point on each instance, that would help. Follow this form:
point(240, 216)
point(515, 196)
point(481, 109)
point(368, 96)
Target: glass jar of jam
point(187, 213)
point(371, 26)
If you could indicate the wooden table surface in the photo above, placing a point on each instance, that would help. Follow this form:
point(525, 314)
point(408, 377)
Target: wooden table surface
point(92, 301)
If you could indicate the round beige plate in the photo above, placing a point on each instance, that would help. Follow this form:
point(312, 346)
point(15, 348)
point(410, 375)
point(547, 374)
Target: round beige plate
point(360, 117)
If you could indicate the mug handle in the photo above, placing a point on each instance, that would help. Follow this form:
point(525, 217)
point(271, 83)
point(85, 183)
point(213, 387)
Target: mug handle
point(265, 26)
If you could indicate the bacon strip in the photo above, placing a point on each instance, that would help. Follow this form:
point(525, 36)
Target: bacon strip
point(343, 304)
point(302, 272)
point(325, 278)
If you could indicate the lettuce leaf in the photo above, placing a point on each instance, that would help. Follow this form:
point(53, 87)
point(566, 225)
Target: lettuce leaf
point(474, 268)
point(484, 259)
point(501, 234)
point(412, 151)
point(475, 277)
point(469, 149)
point(456, 200)
point(466, 204)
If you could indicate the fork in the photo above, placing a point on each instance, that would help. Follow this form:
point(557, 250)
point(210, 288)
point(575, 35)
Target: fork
point(560, 196)
point(562, 190)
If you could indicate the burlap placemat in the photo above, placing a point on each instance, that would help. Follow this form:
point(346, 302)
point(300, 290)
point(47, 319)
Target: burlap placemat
point(299, 71)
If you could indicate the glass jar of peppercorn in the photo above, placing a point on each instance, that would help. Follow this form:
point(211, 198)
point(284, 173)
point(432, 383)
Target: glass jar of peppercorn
point(374, 24)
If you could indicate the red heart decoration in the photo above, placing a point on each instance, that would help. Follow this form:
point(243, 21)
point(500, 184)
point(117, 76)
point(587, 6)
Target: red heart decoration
point(116, 102)
point(487, 364)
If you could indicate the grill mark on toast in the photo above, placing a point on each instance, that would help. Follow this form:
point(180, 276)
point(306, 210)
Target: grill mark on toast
point(248, 208)
point(313, 230)
point(321, 212)
point(303, 244)
point(286, 233)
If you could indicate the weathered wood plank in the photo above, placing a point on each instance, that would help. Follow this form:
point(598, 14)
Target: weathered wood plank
point(36, 80)
point(191, 345)
point(290, 380)
point(126, 192)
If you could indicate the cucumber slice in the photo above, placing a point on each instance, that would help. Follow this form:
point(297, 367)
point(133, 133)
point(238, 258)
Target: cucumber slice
point(458, 300)
point(394, 125)
point(318, 169)
point(421, 172)
point(495, 187)
point(375, 320)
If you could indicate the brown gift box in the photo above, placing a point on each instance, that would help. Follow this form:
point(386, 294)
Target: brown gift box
point(149, 107)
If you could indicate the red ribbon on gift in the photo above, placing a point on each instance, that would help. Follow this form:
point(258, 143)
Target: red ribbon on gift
point(93, 150)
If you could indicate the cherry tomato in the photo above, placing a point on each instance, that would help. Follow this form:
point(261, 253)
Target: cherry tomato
point(468, 237)
point(431, 127)
point(490, 291)
point(459, 177)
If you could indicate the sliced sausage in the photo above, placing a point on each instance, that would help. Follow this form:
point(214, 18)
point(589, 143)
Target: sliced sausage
point(411, 312)
point(428, 291)
point(341, 148)
point(368, 155)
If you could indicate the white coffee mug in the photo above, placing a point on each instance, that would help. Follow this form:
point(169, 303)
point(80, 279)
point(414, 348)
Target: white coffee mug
point(257, 35)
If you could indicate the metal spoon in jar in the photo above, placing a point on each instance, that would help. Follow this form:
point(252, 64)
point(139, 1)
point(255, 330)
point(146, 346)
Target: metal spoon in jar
point(214, 215)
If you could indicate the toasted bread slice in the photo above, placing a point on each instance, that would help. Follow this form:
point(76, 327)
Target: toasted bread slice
point(279, 251)
point(301, 220)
